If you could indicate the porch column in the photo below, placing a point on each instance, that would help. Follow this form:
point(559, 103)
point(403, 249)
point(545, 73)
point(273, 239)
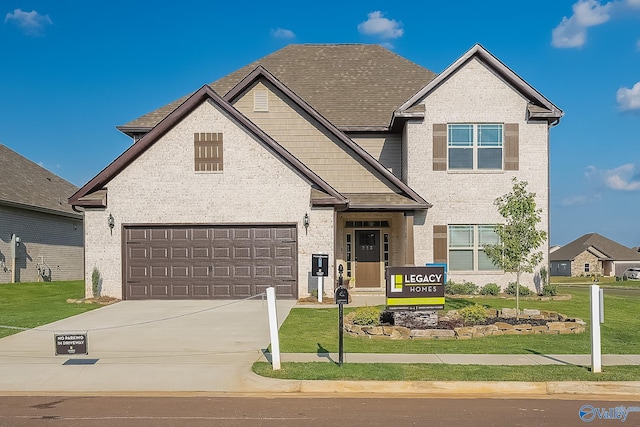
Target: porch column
point(409, 251)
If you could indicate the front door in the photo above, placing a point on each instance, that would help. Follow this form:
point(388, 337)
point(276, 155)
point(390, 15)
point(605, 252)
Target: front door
point(367, 258)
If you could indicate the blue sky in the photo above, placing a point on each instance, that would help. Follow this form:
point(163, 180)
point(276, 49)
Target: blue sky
point(71, 71)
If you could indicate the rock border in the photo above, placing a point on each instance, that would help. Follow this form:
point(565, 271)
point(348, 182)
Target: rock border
point(557, 324)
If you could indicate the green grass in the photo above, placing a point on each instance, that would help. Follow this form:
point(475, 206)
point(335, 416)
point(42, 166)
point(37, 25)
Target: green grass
point(29, 305)
point(309, 330)
point(440, 372)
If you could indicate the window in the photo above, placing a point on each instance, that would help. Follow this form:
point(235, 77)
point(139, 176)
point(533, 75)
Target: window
point(207, 148)
point(474, 146)
point(466, 243)
point(586, 268)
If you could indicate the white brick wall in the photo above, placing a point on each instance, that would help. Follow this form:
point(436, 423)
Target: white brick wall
point(474, 95)
point(162, 187)
point(54, 239)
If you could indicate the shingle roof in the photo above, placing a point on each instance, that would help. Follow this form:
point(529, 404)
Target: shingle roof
point(28, 185)
point(352, 85)
point(611, 249)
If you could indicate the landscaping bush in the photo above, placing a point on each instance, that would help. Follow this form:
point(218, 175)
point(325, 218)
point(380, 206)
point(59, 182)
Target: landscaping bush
point(367, 316)
point(95, 282)
point(511, 290)
point(464, 288)
point(549, 290)
point(473, 314)
point(490, 289)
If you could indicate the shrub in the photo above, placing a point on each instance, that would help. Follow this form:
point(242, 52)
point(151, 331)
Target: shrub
point(473, 314)
point(511, 289)
point(490, 289)
point(464, 288)
point(367, 316)
point(95, 282)
point(549, 290)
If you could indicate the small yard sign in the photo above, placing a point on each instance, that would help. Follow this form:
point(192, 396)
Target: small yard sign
point(71, 343)
point(416, 288)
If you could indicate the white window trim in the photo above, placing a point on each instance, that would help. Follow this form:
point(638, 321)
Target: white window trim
point(475, 147)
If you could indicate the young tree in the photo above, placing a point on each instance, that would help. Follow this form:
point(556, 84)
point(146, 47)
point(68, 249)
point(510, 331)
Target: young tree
point(519, 238)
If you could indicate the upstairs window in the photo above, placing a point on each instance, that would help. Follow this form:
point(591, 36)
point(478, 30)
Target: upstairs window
point(207, 149)
point(474, 146)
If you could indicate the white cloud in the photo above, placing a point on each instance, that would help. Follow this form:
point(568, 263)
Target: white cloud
point(629, 98)
point(378, 25)
point(282, 33)
point(572, 31)
point(31, 22)
point(633, 3)
point(622, 178)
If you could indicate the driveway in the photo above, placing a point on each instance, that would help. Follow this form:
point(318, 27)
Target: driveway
point(138, 346)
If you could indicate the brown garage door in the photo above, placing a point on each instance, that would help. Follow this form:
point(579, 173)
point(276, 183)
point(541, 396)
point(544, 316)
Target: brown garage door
point(209, 262)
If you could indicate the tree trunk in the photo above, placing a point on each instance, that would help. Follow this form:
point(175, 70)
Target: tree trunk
point(518, 294)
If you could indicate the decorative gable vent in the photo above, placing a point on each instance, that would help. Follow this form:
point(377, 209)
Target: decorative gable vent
point(260, 100)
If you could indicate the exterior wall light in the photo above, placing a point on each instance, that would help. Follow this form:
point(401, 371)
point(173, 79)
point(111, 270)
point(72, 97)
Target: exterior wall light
point(306, 223)
point(111, 223)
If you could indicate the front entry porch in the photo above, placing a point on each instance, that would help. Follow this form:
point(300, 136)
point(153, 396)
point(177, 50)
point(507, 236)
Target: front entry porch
point(368, 243)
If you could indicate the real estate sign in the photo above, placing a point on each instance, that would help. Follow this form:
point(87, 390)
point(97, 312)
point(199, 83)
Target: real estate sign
point(416, 288)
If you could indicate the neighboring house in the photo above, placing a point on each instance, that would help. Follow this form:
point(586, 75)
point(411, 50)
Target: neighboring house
point(593, 254)
point(34, 209)
point(345, 150)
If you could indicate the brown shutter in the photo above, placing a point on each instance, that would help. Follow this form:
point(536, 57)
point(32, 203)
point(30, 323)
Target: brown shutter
point(439, 147)
point(207, 148)
point(440, 246)
point(511, 147)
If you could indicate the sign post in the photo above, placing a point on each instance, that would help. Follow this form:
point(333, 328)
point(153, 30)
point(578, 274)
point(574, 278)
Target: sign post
point(341, 297)
point(273, 328)
point(597, 308)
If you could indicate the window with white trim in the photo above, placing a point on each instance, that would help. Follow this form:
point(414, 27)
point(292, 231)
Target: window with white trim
point(475, 146)
point(466, 247)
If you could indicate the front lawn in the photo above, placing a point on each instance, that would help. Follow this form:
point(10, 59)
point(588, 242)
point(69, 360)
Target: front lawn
point(311, 330)
point(441, 372)
point(29, 305)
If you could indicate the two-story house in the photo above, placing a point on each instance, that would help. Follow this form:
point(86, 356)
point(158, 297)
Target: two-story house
point(345, 150)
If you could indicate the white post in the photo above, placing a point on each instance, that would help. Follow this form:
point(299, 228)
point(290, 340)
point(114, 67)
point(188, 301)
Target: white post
point(273, 328)
point(320, 290)
point(596, 350)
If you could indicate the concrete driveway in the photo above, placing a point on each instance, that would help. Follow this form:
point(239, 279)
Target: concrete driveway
point(141, 346)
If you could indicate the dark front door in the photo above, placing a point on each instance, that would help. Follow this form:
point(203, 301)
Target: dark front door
point(367, 258)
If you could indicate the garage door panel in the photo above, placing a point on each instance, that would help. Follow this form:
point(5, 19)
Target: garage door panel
point(200, 272)
point(159, 253)
point(201, 234)
point(159, 290)
point(137, 234)
point(180, 253)
point(201, 253)
point(179, 271)
point(159, 234)
point(242, 253)
point(179, 234)
point(138, 252)
point(201, 291)
point(159, 272)
point(209, 261)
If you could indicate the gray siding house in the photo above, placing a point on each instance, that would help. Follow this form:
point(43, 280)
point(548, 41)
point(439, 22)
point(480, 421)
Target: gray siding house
point(345, 150)
point(34, 210)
